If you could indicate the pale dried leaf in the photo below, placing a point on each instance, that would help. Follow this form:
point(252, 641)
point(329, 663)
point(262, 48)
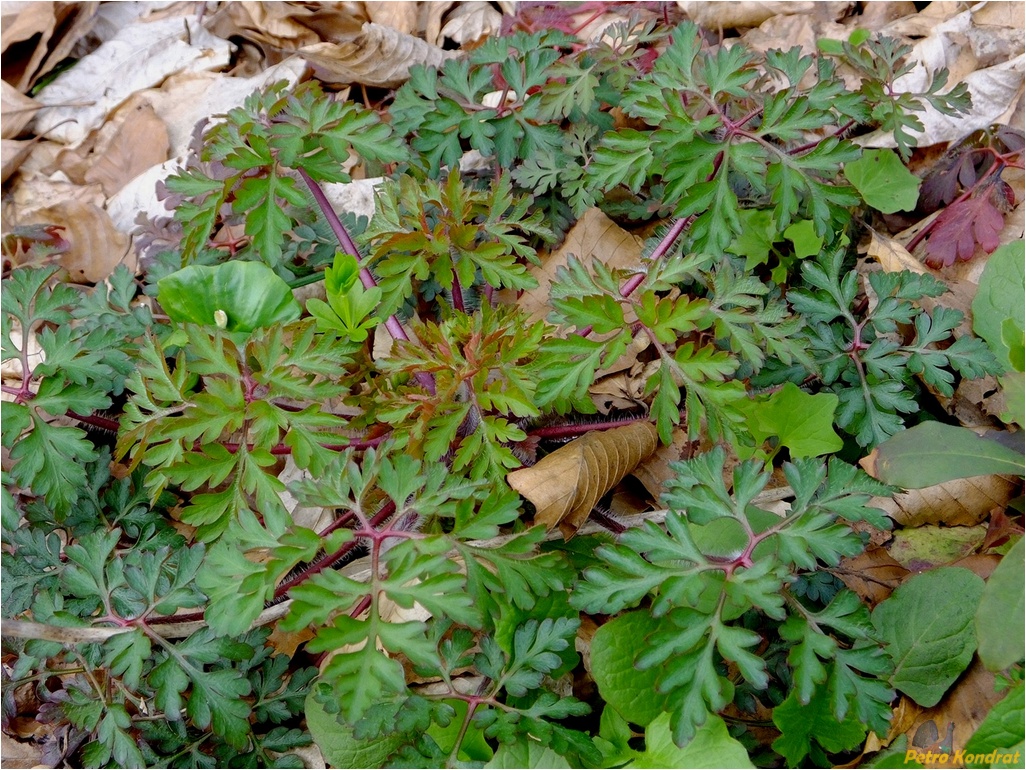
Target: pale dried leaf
point(400, 16)
point(140, 56)
point(876, 15)
point(378, 56)
point(752, 13)
point(962, 502)
point(20, 753)
point(565, 485)
point(138, 144)
point(594, 237)
point(873, 574)
point(640, 342)
point(12, 154)
point(893, 256)
point(471, 21)
point(17, 109)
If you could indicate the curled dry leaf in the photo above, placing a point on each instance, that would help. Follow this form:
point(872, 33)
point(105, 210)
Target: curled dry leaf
point(471, 21)
point(565, 485)
point(377, 56)
point(27, 26)
point(654, 471)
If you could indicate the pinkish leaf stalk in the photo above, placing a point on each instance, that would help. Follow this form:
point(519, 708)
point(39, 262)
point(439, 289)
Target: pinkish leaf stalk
point(366, 278)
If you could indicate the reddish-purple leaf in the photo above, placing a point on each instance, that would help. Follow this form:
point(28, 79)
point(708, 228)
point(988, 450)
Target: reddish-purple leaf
point(961, 227)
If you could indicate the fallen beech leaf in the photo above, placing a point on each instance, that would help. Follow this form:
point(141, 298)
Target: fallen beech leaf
point(138, 144)
point(873, 574)
point(595, 236)
point(378, 56)
point(565, 485)
point(654, 471)
point(892, 255)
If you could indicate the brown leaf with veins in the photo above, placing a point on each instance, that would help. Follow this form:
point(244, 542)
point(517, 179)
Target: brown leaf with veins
point(565, 485)
point(595, 236)
point(873, 574)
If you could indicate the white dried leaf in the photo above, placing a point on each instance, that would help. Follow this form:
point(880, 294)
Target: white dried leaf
point(472, 21)
point(140, 56)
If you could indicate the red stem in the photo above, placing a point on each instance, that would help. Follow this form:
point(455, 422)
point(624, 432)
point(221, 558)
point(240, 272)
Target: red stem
point(366, 278)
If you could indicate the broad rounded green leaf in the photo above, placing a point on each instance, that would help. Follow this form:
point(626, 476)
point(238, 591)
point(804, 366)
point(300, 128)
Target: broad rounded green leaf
point(802, 422)
point(250, 295)
point(1002, 729)
point(1001, 615)
point(932, 453)
point(803, 235)
point(526, 754)
point(999, 297)
point(339, 747)
point(883, 181)
point(928, 626)
point(622, 686)
point(712, 746)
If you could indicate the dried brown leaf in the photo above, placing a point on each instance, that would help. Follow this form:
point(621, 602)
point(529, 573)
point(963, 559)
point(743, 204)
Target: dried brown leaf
point(377, 56)
point(963, 502)
point(17, 109)
point(23, 38)
point(12, 154)
point(873, 574)
point(595, 236)
point(400, 16)
point(140, 142)
point(654, 471)
point(565, 485)
point(952, 722)
point(140, 56)
point(749, 13)
point(96, 245)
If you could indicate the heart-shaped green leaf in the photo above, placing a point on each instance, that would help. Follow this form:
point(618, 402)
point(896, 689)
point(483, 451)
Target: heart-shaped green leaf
point(236, 296)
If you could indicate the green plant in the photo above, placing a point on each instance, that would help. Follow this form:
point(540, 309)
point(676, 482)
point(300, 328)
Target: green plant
point(152, 542)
